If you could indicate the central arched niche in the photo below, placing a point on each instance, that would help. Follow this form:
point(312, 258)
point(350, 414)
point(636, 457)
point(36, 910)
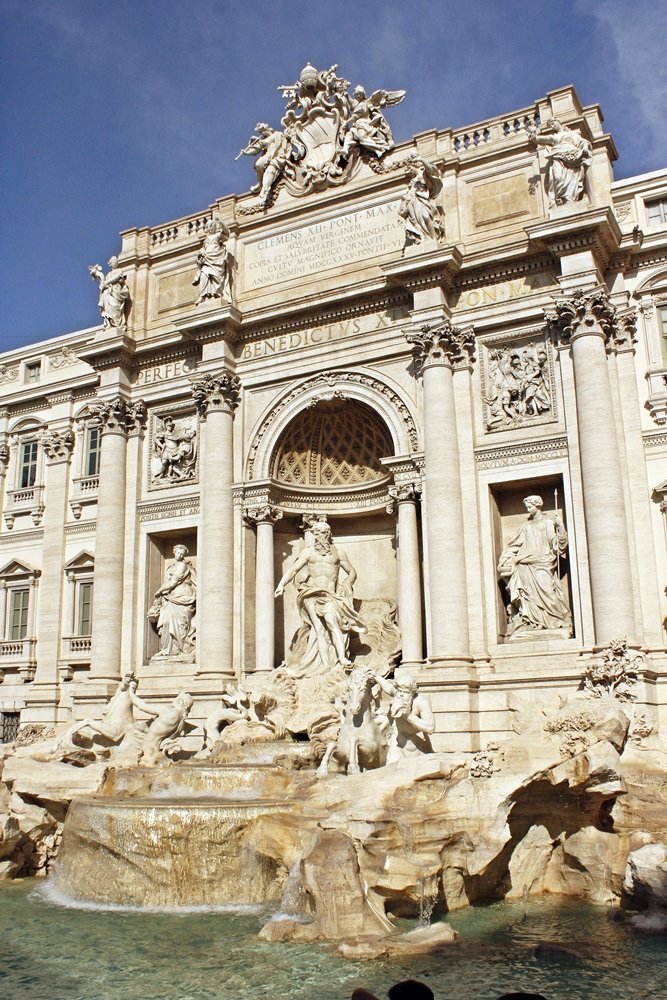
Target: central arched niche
point(332, 444)
point(330, 449)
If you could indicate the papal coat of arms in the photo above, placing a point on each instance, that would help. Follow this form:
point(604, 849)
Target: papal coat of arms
point(325, 131)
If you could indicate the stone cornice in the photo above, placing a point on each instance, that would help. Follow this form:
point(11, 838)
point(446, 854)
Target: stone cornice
point(596, 230)
point(286, 322)
point(436, 268)
point(109, 351)
point(221, 323)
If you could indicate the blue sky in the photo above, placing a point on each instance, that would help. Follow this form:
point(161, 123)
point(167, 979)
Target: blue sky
point(122, 113)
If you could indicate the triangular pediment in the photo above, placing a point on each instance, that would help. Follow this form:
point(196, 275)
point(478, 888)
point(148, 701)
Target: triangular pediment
point(84, 560)
point(17, 569)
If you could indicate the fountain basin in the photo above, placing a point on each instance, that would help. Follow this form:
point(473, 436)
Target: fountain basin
point(192, 780)
point(168, 852)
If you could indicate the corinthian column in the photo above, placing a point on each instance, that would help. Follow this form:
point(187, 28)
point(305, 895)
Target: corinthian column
point(57, 445)
point(584, 321)
point(117, 419)
point(216, 396)
point(439, 350)
point(409, 576)
point(264, 518)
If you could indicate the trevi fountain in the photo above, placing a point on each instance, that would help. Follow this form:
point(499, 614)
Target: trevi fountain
point(350, 664)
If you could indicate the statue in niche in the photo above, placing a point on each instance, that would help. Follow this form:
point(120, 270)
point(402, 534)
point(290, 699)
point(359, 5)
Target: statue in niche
point(409, 717)
point(519, 385)
point(114, 300)
point(418, 206)
point(272, 150)
point(173, 609)
point(214, 264)
point(324, 601)
point(569, 156)
point(116, 722)
point(162, 736)
point(174, 449)
point(530, 563)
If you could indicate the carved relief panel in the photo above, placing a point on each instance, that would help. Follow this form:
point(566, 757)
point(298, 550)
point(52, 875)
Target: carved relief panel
point(173, 449)
point(517, 381)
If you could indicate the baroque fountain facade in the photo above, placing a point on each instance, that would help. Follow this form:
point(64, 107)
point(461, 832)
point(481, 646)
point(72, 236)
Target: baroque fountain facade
point(358, 601)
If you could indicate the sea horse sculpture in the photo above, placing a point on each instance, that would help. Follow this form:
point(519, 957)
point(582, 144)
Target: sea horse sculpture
point(359, 746)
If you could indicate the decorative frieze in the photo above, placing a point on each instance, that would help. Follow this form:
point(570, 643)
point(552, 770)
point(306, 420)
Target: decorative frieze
point(118, 416)
point(63, 359)
point(9, 373)
point(159, 511)
point(221, 391)
point(442, 345)
point(173, 450)
point(522, 453)
point(517, 383)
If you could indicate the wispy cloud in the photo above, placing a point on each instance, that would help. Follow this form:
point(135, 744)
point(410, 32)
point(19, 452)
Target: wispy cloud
point(636, 32)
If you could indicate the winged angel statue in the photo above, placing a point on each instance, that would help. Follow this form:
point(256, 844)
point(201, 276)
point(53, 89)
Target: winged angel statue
point(325, 131)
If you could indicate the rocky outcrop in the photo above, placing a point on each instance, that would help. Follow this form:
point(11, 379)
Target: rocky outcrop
point(34, 799)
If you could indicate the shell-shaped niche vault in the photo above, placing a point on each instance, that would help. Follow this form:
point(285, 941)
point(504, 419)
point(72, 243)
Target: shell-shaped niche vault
point(337, 442)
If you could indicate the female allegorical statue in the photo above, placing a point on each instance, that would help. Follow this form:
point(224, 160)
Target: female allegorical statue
point(174, 607)
point(570, 156)
point(529, 564)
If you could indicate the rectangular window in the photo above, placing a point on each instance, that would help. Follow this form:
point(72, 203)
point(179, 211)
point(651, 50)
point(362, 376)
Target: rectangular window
point(92, 463)
point(84, 611)
point(656, 211)
point(9, 726)
point(662, 323)
point(28, 465)
point(18, 613)
point(32, 372)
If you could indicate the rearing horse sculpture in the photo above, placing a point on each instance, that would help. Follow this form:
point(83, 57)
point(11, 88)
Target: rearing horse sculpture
point(359, 746)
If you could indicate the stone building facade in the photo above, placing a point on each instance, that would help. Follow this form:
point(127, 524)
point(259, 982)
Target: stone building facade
point(407, 343)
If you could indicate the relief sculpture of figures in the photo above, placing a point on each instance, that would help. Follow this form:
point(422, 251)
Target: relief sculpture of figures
point(114, 300)
point(519, 387)
point(529, 564)
point(324, 600)
point(174, 449)
point(569, 156)
point(173, 609)
point(418, 206)
point(214, 264)
point(326, 130)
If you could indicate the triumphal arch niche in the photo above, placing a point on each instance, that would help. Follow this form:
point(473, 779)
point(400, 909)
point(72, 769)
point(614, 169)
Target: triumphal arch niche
point(396, 403)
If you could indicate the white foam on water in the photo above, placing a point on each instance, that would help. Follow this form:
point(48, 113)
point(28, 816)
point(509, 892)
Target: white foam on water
point(51, 894)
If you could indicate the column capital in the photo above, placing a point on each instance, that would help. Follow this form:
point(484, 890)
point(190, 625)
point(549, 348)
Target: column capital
point(216, 391)
point(266, 514)
point(403, 493)
point(444, 345)
point(584, 313)
point(118, 416)
point(58, 445)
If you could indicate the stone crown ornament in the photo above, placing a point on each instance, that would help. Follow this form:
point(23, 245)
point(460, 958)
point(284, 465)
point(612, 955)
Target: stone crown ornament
point(326, 130)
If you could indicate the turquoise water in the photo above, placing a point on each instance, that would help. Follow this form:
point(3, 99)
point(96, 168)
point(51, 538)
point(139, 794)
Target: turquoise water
point(51, 952)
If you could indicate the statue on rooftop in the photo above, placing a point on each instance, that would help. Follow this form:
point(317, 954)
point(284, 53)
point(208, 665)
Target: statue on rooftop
point(529, 564)
point(114, 300)
point(418, 206)
point(324, 600)
point(325, 132)
point(569, 156)
point(214, 264)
